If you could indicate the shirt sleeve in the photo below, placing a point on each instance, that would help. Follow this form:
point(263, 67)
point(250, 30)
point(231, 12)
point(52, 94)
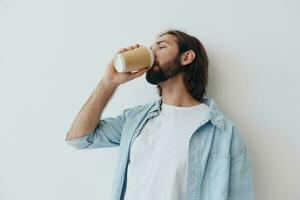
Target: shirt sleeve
point(106, 134)
point(240, 180)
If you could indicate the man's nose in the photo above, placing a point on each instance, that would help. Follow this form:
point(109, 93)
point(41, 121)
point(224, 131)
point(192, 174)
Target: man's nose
point(153, 47)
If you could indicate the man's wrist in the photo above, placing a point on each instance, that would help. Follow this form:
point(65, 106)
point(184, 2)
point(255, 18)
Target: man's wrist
point(110, 84)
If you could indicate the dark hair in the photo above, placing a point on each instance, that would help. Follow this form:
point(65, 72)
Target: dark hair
point(195, 74)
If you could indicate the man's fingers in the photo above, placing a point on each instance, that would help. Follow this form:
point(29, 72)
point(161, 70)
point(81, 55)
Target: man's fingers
point(138, 73)
point(128, 48)
point(122, 50)
point(141, 72)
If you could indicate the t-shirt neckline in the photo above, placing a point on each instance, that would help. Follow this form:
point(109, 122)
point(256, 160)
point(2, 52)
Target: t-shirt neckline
point(182, 108)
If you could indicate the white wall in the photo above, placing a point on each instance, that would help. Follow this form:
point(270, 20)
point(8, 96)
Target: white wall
point(53, 53)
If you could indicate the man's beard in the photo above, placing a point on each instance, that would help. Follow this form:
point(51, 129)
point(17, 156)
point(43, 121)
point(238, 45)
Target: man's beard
point(160, 73)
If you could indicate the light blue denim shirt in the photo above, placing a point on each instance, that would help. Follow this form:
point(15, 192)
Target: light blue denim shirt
point(218, 162)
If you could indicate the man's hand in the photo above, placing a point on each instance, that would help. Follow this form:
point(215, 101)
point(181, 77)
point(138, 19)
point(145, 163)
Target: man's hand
point(114, 78)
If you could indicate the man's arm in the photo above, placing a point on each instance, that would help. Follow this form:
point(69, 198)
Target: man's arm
point(241, 178)
point(88, 117)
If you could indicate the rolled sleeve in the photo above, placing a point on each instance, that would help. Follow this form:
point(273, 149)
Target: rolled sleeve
point(79, 143)
point(106, 134)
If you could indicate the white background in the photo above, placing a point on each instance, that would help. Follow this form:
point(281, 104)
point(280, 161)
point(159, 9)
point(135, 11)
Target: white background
point(53, 54)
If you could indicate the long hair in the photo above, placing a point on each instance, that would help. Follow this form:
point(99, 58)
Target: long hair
point(195, 74)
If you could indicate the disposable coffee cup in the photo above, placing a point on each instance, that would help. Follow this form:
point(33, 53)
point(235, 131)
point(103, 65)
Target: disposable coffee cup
point(134, 60)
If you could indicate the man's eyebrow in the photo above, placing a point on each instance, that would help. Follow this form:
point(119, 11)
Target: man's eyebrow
point(158, 42)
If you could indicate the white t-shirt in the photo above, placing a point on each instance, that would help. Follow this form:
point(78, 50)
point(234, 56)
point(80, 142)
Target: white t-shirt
point(158, 158)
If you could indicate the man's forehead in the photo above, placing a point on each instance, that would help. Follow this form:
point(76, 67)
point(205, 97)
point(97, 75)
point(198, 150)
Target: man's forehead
point(166, 38)
point(169, 39)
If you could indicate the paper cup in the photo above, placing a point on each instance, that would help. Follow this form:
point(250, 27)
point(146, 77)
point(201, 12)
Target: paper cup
point(134, 60)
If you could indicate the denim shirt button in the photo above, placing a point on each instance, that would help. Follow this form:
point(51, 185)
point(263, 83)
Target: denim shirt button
point(193, 147)
point(193, 176)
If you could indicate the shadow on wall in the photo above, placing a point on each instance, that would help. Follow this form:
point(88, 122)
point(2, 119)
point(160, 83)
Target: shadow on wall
point(275, 164)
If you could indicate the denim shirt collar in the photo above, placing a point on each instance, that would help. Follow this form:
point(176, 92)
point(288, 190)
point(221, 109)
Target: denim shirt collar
point(215, 115)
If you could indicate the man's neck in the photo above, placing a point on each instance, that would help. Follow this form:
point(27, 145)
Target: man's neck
point(174, 93)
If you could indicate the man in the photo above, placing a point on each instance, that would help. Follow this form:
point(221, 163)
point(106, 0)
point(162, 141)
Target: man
point(180, 147)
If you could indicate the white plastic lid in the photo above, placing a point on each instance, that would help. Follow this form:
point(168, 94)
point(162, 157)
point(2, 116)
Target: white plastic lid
point(119, 63)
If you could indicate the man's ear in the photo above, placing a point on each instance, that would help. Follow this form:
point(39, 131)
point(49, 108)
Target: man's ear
point(187, 57)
